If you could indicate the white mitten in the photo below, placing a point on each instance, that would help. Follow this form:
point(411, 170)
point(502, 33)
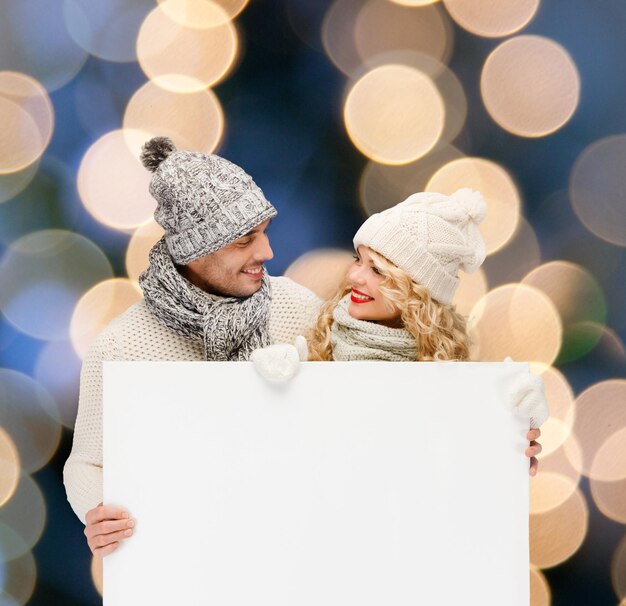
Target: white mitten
point(276, 363)
point(302, 347)
point(529, 398)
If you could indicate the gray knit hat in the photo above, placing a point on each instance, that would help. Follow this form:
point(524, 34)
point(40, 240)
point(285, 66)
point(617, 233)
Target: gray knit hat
point(204, 202)
point(430, 236)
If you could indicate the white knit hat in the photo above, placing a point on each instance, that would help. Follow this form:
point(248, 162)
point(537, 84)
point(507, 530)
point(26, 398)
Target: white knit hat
point(430, 236)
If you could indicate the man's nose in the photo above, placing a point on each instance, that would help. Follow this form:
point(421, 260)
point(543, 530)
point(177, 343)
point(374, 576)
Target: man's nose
point(264, 251)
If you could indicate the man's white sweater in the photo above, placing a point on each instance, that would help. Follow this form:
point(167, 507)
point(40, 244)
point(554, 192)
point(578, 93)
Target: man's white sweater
point(137, 335)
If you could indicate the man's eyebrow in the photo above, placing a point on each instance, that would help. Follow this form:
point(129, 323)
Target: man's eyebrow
point(256, 229)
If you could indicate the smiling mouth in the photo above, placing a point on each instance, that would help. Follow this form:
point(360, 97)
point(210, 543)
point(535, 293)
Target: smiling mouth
point(359, 297)
point(254, 272)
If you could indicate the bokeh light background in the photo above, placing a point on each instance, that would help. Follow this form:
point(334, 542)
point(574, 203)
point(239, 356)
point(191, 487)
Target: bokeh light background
point(338, 109)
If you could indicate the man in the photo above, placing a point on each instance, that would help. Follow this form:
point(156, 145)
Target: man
point(207, 296)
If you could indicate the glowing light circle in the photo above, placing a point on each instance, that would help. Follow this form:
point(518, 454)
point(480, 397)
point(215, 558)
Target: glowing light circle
point(13, 183)
point(193, 120)
point(550, 490)
point(609, 463)
point(185, 13)
point(518, 321)
point(496, 186)
point(29, 415)
point(565, 460)
point(519, 255)
point(540, 594)
point(97, 573)
point(605, 400)
point(472, 287)
point(415, 2)
point(385, 185)
point(394, 114)
point(597, 189)
point(382, 27)
point(144, 238)
point(26, 121)
point(43, 274)
point(25, 514)
point(557, 534)
point(20, 575)
point(181, 57)
point(530, 86)
point(107, 30)
point(35, 41)
point(610, 498)
point(355, 33)
point(58, 370)
point(618, 569)
point(98, 307)
point(9, 466)
point(579, 299)
point(323, 271)
point(112, 182)
point(492, 19)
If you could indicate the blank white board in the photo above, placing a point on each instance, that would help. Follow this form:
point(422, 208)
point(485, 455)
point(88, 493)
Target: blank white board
point(355, 484)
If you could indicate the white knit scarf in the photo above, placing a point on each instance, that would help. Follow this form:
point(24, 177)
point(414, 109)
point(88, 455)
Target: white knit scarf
point(354, 339)
point(230, 327)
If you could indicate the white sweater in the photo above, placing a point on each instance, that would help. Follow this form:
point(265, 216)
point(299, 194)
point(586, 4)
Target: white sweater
point(138, 335)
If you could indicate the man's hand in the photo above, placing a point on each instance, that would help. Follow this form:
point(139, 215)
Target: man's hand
point(106, 527)
point(533, 450)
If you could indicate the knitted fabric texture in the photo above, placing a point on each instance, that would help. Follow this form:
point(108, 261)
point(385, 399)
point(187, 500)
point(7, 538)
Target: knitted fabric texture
point(138, 335)
point(231, 328)
point(528, 397)
point(204, 202)
point(431, 237)
point(353, 339)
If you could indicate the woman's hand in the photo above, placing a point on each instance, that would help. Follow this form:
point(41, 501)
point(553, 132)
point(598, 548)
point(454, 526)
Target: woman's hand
point(106, 527)
point(279, 363)
point(528, 397)
point(533, 450)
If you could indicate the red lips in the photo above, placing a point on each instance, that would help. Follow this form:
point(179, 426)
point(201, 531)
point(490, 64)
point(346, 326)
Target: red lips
point(358, 292)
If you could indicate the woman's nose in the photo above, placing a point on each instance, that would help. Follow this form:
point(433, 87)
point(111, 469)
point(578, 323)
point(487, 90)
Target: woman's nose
point(355, 276)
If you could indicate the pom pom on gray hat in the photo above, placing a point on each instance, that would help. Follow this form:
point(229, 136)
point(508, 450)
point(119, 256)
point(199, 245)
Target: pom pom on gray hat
point(155, 151)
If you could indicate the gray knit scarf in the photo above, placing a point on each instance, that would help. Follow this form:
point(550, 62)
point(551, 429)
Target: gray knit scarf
point(354, 339)
point(230, 327)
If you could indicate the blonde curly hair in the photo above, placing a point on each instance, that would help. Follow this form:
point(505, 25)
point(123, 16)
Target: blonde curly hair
point(440, 332)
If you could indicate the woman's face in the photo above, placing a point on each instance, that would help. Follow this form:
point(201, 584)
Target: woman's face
point(366, 300)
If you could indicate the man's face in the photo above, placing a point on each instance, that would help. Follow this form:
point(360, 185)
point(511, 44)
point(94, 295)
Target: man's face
point(235, 270)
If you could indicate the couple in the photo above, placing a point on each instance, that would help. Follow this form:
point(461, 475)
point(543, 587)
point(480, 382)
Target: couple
point(208, 297)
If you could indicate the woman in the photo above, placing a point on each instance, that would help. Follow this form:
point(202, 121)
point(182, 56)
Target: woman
point(396, 304)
